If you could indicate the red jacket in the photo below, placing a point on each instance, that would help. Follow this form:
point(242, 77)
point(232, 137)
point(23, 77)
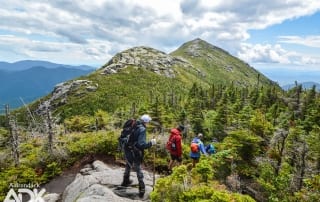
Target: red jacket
point(175, 136)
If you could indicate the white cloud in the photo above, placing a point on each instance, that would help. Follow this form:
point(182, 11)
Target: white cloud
point(93, 30)
point(267, 53)
point(94, 52)
point(311, 41)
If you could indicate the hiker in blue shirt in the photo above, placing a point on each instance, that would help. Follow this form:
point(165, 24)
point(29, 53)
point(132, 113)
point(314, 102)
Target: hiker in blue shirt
point(197, 148)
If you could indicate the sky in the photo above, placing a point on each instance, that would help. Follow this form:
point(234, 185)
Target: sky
point(280, 38)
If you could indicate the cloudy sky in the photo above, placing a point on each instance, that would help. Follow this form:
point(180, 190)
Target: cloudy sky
point(273, 36)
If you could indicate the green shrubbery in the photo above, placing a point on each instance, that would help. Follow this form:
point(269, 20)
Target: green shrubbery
point(195, 185)
point(38, 166)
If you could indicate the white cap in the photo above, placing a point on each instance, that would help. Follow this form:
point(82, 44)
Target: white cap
point(146, 118)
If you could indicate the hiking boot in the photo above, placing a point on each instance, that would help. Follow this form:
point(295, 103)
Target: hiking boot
point(142, 189)
point(126, 182)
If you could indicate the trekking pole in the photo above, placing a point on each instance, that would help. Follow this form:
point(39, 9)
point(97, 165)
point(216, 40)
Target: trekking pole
point(154, 166)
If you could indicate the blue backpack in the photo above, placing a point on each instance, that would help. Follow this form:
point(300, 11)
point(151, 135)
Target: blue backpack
point(210, 149)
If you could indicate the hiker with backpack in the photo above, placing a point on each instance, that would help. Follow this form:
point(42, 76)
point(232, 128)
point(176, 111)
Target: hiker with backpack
point(134, 151)
point(174, 146)
point(210, 149)
point(197, 147)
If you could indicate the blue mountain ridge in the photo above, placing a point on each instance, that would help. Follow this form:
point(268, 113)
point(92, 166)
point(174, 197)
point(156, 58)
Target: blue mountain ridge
point(34, 82)
point(27, 64)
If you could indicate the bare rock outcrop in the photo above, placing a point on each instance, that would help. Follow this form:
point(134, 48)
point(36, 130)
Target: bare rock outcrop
point(61, 91)
point(148, 58)
point(99, 182)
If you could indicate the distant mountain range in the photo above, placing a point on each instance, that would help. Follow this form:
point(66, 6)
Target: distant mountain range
point(305, 85)
point(29, 80)
point(27, 64)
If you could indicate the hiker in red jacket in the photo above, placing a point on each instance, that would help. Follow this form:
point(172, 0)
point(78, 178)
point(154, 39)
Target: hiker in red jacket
point(174, 146)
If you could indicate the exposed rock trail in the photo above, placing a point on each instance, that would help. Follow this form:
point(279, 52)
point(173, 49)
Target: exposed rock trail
point(99, 182)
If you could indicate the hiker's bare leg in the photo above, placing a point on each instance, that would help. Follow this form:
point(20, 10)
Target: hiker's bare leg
point(170, 165)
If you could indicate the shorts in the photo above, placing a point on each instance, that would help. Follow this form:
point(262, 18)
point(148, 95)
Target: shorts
point(175, 157)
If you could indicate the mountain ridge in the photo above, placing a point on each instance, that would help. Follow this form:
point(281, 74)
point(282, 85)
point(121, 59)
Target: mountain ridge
point(139, 75)
point(33, 83)
point(27, 64)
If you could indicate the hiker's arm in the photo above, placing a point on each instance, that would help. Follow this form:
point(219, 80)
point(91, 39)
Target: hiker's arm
point(142, 144)
point(202, 149)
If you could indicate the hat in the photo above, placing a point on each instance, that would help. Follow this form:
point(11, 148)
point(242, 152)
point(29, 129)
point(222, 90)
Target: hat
point(200, 135)
point(181, 127)
point(214, 140)
point(146, 118)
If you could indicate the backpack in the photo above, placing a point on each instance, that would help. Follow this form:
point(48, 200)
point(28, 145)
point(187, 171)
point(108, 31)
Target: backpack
point(210, 149)
point(171, 144)
point(126, 138)
point(194, 147)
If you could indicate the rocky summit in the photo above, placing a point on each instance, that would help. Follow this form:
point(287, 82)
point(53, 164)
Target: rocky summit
point(147, 58)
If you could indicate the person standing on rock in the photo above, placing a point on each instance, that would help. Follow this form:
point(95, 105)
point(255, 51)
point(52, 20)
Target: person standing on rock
point(135, 152)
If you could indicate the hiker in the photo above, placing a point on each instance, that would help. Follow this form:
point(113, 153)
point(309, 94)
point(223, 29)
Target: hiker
point(197, 148)
point(210, 149)
point(134, 154)
point(174, 146)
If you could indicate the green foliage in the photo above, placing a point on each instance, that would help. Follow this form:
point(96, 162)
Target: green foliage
point(102, 119)
point(203, 170)
point(222, 163)
point(20, 175)
point(260, 126)
point(3, 136)
point(277, 187)
point(244, 147)
point(79, 123)
point(92, 143)
point(170, 188)
point(53, 169)
point(311, 190)
point(205, 193)
point(180, 186)
point(38, 166)
point(213, 125)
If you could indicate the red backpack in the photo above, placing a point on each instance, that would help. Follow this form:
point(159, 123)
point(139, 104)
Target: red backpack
point(194, 147)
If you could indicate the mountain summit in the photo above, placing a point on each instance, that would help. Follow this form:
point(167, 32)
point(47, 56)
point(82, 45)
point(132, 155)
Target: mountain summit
point(218, 66)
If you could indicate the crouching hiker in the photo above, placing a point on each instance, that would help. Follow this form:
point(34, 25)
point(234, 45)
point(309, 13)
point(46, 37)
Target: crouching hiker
point(174, 146)
point(197, 148)
point(134, 152)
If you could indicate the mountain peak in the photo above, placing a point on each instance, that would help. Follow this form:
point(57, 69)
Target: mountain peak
point(199, 47)
point(143, 57)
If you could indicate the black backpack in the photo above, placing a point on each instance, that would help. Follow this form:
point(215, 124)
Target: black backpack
point(126, 139)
